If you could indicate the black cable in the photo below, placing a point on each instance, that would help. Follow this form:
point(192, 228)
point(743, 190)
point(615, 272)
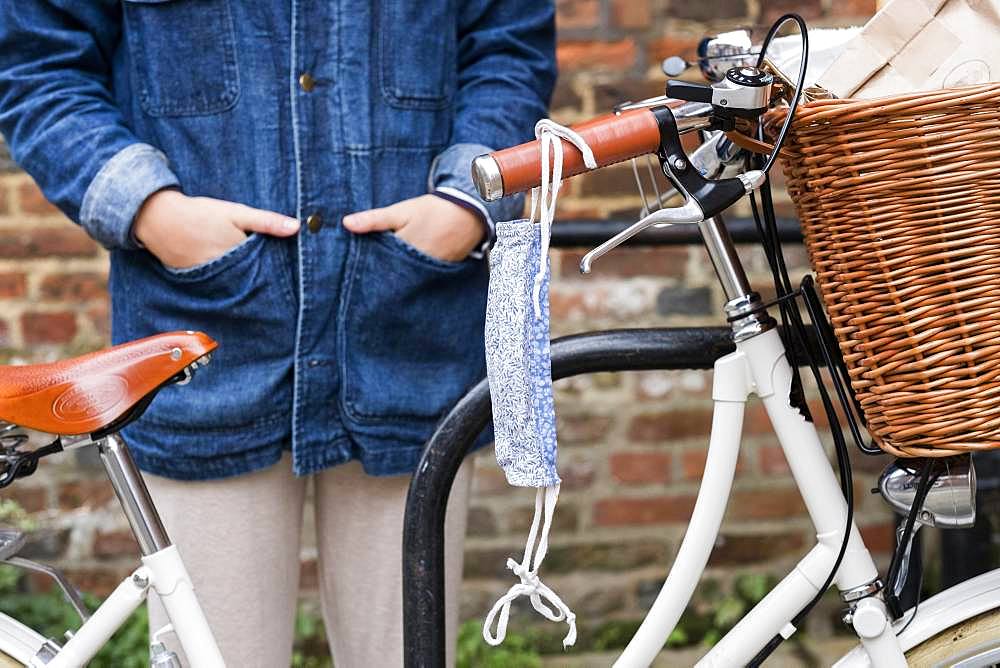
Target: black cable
point(799, 84)
point(765, 220)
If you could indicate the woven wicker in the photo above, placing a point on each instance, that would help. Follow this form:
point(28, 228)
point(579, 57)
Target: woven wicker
point(899, 200)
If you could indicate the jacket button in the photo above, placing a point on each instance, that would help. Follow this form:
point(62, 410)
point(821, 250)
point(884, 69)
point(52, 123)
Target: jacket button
point(307, 82)
point(314, 222)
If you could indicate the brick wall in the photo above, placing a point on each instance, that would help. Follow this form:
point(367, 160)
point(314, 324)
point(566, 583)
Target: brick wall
point(633, 445)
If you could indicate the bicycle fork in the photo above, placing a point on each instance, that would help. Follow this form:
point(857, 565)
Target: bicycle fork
point(760, 366)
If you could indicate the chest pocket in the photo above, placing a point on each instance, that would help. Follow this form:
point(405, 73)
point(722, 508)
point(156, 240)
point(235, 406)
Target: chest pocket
point(183, 56)
point(417, 50)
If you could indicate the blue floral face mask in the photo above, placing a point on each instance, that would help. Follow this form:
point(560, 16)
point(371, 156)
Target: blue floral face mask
point(519, 366)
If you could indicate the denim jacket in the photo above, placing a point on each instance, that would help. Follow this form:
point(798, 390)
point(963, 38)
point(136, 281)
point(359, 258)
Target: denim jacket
point(332, 345)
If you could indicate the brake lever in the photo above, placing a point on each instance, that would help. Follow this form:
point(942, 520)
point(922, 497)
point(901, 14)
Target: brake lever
point(703, 197)
point(689, 212)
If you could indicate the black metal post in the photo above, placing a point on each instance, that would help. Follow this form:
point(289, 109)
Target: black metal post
point(423, 533)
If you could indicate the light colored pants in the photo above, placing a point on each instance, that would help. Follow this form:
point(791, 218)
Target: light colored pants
point(240, 540)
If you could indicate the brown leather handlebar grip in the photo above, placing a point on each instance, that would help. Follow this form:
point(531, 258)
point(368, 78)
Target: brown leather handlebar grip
point(613, 138)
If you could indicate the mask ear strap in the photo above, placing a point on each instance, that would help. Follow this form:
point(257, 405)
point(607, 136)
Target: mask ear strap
point(545, 601)
point(550, 135)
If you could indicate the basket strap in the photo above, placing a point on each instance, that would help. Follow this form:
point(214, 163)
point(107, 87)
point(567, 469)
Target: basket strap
point(754, 145)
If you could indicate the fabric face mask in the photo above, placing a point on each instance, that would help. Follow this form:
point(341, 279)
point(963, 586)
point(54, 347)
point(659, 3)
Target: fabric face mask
point(518, 363)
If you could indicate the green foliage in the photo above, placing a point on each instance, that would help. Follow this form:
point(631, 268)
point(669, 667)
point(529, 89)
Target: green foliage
point(473, 652)
point(14, 516)
point(49, 614)
point(311, 649)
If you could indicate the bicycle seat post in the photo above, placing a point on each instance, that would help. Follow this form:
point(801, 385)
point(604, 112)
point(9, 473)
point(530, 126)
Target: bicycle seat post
point(133, 495)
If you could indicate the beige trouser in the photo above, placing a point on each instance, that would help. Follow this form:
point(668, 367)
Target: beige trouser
point(240, 540)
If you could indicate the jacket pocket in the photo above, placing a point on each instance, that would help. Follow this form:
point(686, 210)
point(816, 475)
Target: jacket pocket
point(183, 56)
point(412, 340)
point(245, 301)
point(417, 53)
point(216, 264)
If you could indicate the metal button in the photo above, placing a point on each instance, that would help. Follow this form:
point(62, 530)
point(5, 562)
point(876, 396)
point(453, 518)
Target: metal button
point(314, 222)
point(307, 82)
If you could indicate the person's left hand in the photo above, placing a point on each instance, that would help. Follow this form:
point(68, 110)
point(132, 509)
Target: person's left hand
point(430, 224)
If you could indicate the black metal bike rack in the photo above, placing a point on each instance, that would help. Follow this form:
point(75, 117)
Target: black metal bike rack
point(620, 350)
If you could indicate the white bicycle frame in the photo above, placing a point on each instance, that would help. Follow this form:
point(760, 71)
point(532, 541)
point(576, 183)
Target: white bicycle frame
point(760, 366)
point(162, 571)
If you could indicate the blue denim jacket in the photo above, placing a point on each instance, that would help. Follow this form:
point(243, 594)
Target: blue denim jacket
point(334, 345)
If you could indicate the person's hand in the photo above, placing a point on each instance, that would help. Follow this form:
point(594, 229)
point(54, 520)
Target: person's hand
point(430, 224)
point(184, 231)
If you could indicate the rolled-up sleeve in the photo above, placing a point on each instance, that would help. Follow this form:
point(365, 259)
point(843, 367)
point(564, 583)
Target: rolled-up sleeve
point(507, 70)
point(59, 118)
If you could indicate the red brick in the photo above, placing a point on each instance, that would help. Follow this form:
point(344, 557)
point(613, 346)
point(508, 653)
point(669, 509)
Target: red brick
point(772, 460)
point(575, 303)
point(13, 284)
point(566, 519)
point(671, 426)
point(879, 538)
point(33, 201)
point(489, 479)
point(609, 93)
point(631, 13)
point(771, 10)
point(852, 9)
point(596, 55)
point(76, 287)
point(617, 181)
point(64, 241)
point(48, 327)
point(640, 468)
point(577, 475)
point(738, 550)
point(32, 499)
point(568, 209)
point(565, 96)
point(693, 464)
point(577, 14)
point(99, 316)
point(643, 511)
point(309, 575)
point(108, 544)
point(630, 263)
point(84, 493)
point(582, 428)
point(765, 504)
point(683, 45)
point(97, 581)
point(716, 10)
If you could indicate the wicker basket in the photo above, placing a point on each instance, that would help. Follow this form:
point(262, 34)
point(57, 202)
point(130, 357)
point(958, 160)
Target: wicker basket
point(899, 200)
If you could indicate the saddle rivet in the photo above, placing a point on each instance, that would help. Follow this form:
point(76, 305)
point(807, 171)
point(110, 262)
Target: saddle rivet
point(175, 354)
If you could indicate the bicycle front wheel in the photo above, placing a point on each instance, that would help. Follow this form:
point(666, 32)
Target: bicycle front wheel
point(18, 643)
point(969, 644)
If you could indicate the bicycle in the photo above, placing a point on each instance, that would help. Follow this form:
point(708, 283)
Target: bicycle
point(960, 626)
point(85, 402)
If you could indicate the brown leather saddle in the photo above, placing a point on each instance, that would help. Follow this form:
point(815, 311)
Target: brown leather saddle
point(108, 388)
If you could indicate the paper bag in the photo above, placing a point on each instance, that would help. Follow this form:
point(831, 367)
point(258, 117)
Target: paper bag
point(914, 45)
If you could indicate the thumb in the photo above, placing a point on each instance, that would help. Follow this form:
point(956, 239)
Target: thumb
point(275, 224)
point(374, 220)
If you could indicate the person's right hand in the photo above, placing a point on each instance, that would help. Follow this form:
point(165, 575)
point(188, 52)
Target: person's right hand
point(184, 231)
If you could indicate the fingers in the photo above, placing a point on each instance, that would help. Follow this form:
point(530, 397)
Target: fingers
point(375, 220)
point(249, 219)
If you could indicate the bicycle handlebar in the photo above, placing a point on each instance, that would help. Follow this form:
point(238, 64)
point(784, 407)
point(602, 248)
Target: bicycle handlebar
point(613, 138)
